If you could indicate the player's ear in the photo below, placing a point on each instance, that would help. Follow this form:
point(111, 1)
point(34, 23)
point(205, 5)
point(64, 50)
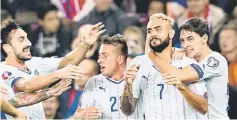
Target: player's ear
point(7, 48)
point(171, 33)
point(121, 59)
point(205, 38)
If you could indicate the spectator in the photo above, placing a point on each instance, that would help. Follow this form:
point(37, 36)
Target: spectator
point(213, 15)
point(105, 11)
point(135, 40)
point(50, 107)
point(93, 52)
point(69, 100)
point(228, 45)
point(155, 6)
point(228, 42)
point(79, 8)
point(49, 39)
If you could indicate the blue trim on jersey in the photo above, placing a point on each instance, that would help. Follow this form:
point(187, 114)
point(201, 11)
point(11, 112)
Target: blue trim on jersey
point(198, 70)
point(116, 82)
point(14, 81)
point(29, 72)
point(3, 116)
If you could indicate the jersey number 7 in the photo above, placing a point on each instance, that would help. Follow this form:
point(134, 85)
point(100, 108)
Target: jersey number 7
point(161, 89)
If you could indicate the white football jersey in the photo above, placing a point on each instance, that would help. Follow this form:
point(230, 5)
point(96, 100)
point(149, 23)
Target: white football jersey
point(11, 74)
point(213, 69)
point(105, 94)
point(160, 100)
point(10, 93)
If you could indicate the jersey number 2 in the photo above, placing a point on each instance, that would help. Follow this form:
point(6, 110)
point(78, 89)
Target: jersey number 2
point(161, 89)
point(113, 101)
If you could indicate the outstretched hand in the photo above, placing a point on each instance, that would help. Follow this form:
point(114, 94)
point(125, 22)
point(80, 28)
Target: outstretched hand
point(94, 33)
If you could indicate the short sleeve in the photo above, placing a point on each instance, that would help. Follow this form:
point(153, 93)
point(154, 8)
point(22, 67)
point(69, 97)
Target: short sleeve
point(9, 77)
point(213, 66)
point(44, 65)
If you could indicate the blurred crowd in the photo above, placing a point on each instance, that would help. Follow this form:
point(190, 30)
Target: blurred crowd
point(54, 28)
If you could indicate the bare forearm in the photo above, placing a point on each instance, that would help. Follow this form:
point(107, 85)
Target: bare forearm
point(187, 74)
point(196, 101)
point(75, 56)
point(40, 82)
point(128, 103)
point(26, 99)
point(8, 108)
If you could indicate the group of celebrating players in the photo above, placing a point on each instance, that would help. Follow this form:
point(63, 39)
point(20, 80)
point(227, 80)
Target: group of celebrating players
point(157, 85)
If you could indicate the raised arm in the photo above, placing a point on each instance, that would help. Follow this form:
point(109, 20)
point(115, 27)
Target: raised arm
point(26, 99)
point(40, 82)
point(128, 102)
point(186, 74)
point(77, 55)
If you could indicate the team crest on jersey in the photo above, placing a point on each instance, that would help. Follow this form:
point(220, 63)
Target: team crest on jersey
point(36, 73)
point(6, 75)
point(212, 62)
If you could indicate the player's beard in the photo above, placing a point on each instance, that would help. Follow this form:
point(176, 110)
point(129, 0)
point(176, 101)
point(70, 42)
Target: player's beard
point(21, 57)
point(159, 48)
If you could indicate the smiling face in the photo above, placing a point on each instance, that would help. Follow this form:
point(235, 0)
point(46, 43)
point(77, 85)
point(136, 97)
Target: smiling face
point(192, 43)
point(19, 45)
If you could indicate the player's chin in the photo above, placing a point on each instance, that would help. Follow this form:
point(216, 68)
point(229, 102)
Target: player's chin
point(25, 58)
point(28, 57)
point(104, 73)
point(189, 54)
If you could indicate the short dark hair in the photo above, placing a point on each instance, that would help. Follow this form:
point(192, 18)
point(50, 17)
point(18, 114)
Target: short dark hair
point(116, 40)
point(5, 33)
point(196, 25)
point(43, 9)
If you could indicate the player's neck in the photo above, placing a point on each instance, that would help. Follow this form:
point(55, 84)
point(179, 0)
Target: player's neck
point(165, 54)
point(205, 52)
point(120, 73)
point(15, 62)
